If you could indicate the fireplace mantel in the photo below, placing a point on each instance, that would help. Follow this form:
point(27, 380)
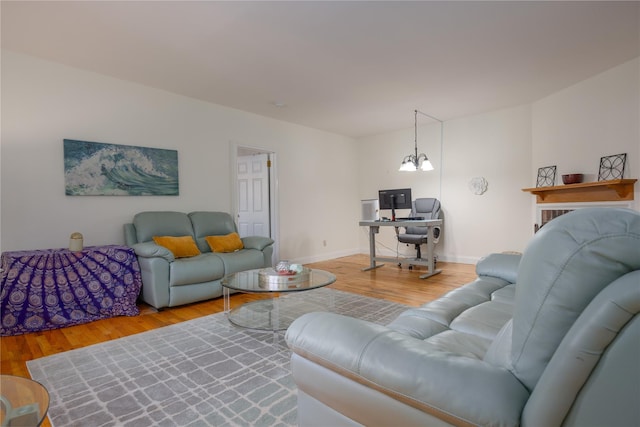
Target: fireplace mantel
point(600, 191)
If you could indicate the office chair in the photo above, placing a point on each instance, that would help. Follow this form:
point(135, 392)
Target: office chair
point(429, 208)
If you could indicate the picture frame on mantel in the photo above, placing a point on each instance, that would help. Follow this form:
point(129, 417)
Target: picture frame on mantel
point(612, 167)
point(546, 176)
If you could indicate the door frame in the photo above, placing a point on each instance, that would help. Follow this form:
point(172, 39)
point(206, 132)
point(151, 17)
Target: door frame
point(235, 149)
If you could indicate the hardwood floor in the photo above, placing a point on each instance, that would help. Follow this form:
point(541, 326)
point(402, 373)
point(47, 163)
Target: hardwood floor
point(388, 282)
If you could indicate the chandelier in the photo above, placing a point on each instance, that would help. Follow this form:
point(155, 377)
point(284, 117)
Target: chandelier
point(415, 161)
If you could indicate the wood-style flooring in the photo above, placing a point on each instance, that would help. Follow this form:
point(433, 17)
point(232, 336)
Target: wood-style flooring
point(388, 282)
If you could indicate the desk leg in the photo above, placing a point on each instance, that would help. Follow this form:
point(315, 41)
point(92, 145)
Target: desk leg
point(373, 230)
point(431, 268)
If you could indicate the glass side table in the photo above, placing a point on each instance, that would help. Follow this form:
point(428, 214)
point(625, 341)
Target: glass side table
point(23, 402)
point(274, 313)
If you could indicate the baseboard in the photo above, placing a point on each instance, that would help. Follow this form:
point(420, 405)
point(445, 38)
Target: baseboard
point(439, 257)
point(459, 259)
point(347, 252)
point(325, 257)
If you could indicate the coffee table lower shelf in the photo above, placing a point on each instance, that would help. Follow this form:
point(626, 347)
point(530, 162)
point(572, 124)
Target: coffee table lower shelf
point(273, 314)
point(276, 312)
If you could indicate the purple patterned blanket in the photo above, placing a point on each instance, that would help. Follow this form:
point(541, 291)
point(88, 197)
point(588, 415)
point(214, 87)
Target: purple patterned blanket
point(54, 288)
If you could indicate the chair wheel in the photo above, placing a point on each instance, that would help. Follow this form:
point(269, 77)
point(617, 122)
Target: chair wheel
point(399, 265)
point(411, 267)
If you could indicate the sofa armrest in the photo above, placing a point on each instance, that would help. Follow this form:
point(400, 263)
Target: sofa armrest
point(503, 266)
point(446, 385)
point(151, 250)
point(130, 238)
point(256, 242)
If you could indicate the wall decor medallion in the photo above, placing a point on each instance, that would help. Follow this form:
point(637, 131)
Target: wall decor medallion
point(612, 167)
point(478, 185)
point(546, 176)
point(98, 169)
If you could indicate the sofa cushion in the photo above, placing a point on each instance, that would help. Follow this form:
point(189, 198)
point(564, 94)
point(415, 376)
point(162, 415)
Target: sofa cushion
point(210, 224)
point(202, 268)
point(244, 259)
point(229, 243)
point(484, 320)
point(460, 344)
point(180, 247)
point(506, 294)
point(436, 316)
point(149, 224)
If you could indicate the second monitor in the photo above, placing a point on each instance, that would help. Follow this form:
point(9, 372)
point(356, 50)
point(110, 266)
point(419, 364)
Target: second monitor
point(395, 199)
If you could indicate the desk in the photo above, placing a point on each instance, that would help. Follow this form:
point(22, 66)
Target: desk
point(374, 228)
point(54, 288)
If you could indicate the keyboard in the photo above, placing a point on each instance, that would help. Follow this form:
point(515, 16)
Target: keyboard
point(411, 218)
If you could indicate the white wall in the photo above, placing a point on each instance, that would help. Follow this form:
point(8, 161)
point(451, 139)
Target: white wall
point(496, 146)
point(572, 129)
point(598, 117)
point(44, 102)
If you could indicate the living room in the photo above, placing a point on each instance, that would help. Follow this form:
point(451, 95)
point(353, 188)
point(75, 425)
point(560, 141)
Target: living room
point(45, 102)
point(567, 99)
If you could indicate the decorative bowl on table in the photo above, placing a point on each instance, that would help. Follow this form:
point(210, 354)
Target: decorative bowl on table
point(572, 178)
point(270, 278)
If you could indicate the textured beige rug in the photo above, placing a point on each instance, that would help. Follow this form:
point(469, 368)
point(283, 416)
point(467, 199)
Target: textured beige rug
point(203, 372)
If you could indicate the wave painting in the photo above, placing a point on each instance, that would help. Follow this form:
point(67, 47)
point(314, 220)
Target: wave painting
point(97, 169)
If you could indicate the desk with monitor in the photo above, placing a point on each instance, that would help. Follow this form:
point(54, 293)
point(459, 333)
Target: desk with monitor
point(374, 228)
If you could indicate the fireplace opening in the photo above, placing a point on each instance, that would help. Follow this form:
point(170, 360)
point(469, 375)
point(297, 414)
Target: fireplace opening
point(547, 215)
point(547, 212)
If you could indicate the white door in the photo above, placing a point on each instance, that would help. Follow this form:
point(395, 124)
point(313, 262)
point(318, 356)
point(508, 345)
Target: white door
point(253, 195)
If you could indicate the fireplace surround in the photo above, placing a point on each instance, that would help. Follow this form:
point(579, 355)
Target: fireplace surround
point(554, 201)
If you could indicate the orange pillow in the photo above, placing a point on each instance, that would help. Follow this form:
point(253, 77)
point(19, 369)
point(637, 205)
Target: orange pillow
point(229, 243)
point(181, 247)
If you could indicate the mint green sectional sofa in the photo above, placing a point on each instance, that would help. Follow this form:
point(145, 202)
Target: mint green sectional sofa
point(168, 281)
point(551, 338)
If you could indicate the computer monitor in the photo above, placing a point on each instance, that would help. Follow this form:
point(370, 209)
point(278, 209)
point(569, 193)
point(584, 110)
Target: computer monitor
point(395, 199)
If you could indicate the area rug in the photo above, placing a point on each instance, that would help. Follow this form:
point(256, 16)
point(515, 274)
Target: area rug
point(203, 372)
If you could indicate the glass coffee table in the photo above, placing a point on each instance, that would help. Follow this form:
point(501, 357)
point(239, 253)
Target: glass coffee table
point(23, 402)
point(273, 313)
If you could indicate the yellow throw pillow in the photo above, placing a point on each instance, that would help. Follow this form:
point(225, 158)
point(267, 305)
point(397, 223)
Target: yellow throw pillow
point(229, 243)
point(181, 247)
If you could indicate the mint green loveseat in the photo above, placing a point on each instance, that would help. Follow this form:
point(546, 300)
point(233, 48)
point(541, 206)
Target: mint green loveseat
point(169, 282)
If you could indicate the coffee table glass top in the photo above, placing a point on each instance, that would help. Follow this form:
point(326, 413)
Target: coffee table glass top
point(22, 401)
point(249, 281)
point(274, 313)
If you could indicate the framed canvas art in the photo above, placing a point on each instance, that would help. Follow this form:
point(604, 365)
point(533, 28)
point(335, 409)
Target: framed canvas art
point(98, 169)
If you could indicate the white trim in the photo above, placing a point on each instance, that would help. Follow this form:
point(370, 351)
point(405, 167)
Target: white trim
point(273, 190)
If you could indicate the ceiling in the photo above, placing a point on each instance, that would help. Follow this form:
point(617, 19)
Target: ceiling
point(355, 68)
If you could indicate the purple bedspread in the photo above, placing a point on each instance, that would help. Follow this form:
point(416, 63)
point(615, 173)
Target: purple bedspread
point(49, 289)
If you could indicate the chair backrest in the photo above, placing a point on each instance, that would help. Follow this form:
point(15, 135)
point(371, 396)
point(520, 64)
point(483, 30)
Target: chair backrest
point(427, 207)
